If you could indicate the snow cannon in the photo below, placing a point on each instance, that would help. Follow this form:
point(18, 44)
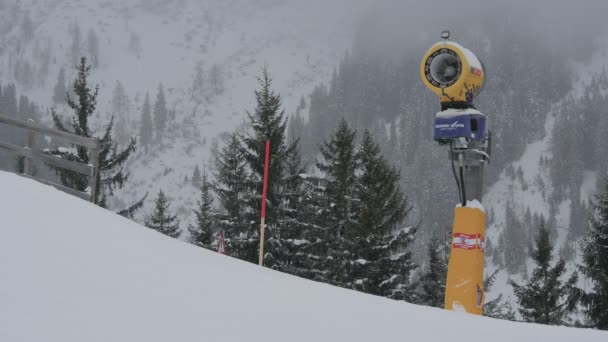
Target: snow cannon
point(457, 76)
point(452, 72)
point(453, 124)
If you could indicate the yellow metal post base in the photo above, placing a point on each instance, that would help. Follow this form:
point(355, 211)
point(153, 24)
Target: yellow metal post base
point(464, 284)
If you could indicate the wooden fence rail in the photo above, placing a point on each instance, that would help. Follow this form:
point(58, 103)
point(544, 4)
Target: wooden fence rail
point(29, 154)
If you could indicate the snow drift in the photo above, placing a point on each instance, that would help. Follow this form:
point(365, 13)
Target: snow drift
point(72, 271)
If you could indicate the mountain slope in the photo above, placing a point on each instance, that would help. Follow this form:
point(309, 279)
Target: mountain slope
point(75, 272)
point(526, 188)
point(145, 43)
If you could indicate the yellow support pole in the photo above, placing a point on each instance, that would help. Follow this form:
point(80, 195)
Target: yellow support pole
point(464, 284)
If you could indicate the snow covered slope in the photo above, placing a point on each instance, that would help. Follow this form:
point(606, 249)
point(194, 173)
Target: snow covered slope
point(72, 271)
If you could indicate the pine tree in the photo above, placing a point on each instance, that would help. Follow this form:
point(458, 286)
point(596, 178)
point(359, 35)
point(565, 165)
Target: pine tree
point(60, 91)
point(379, 257)
point(42, 55)
point(364, 244)
point(301, 105)
point(24, 73)
point(382, 205)
point(216, 80)
point(161, 219)
point(291, 236)
point(120, 100)
point(544, 298)
point(230, 185)
point(9, 107)
point(146, 130)
point(111, 160)
point(196, 177)
point(268, 123)
point(198, 84)
point(160, 111)
point(515, 241)
point(120, 107)
point(84, 106)
point(595, 264)
point(292, 179)
point(338, 167)
point(232, 190)
point(9, 100)
point(304, 233)
point(433, 281)
point(201, 233)
point(24, 108)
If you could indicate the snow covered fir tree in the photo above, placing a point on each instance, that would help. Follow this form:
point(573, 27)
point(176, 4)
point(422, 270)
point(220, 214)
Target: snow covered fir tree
point(230, 187)
point(161, 218)
point(111, 173)
point(267, 123)
point(366, 240)
point(546, 298)
point(202, 231)
point(595, 264)
point(334, 227)
point(432, 282)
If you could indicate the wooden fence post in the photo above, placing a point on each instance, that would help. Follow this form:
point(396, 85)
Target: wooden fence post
point(27, 161)
point(94, 172)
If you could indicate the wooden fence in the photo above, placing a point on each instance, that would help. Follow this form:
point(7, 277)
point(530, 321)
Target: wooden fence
point(29, 154)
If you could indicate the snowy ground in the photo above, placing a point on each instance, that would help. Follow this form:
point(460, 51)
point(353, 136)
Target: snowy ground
point(72, 271)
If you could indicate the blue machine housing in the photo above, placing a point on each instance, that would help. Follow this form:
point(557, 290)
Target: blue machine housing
point(471, 125)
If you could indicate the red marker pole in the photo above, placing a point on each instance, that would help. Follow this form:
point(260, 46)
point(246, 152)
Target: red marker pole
point(264, 191)
point(221, 247)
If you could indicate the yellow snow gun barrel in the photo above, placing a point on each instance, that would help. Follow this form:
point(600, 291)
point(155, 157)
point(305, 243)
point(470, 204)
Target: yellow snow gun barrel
point(452, 72)
point(464, 284)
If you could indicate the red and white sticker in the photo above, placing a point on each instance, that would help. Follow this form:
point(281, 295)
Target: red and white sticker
point(468, 241)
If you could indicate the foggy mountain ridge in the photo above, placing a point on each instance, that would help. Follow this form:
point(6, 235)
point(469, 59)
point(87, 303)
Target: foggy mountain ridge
point(143, 44)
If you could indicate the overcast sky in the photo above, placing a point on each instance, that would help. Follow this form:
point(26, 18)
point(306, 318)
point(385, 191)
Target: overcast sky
point(392, 25)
